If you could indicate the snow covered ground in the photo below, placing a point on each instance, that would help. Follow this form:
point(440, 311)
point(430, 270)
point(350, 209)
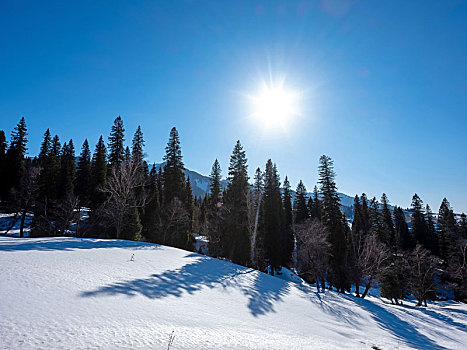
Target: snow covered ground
point(62, 293)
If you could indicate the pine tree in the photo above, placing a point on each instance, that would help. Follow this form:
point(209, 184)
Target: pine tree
point(83, 174)
point(15, 156)
point(315, 211)
point(272, 217)
point(116, 139)
point(376, 222)
point(365, 214)
point(432, 236)
point(388, 224)
point(235, 228)
point(67, 170)
point(463, 226)
point(189, 204)
point(404, 239)
point(300, 204)
point(173, 177)
point(215, 184)
point(418, 223)
point(288, 240)
point(45, 146)
point(447, 229)
point(98, 173)
point(332, 219)
point(3, 165)
point(151, 221)
point(138, 144)
point(175, 196)
point(50, 174)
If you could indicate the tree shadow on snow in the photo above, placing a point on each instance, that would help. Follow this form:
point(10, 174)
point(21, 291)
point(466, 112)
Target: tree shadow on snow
point(69, 244)
point(403, 330)
point(204, 272)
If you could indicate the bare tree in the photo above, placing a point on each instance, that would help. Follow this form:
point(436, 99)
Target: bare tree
point(313, 251)
point(23, 196)
point(66, 212)
point(373, 260)
point(424, 268)
point(122, 195)
point(457, 269)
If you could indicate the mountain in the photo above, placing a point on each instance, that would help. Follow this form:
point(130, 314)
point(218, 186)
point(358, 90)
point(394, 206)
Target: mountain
point(72, 293)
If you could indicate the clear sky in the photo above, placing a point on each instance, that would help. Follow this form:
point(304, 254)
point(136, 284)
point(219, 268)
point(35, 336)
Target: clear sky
point(382, 84)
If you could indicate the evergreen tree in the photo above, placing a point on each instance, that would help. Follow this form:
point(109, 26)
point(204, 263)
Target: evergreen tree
point(215, 184)
point(235, 227)
point(151, 221)
point(50, 174)
point(83, 174)
point(272, 217)
point(15, 156)
point(45, 146)
point(388, 224)
point(463, 226)
point(376, 222)
point(175, 196)
point(3, 165)
point(67, 170)
point(300, 204)
point(116, 139)
point(288, 240)
point(138, 144)
point(404, 239)
point(365, 214)
point(418, 223)
point(189, 203)
point(127, 156)
point(173, 177)
point(315, 210)
point(332, 219)
point(447, 229)
point(432, 236)
point(98, 173)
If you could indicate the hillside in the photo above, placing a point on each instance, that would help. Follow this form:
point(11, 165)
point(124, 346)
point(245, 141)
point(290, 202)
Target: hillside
point(85, 293)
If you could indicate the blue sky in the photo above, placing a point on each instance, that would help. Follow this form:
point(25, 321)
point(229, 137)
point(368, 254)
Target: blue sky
point(383, 84)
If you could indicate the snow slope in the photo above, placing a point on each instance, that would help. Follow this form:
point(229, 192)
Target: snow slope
point(61, 293)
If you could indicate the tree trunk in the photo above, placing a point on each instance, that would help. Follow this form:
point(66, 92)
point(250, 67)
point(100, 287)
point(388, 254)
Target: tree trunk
point(21, 228)
point(419, 303)
point(367, 288)
point(357, 289)
point(425, 303)
point(397, 301)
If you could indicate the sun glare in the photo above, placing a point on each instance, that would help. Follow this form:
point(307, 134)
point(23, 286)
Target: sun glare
point(275, 106)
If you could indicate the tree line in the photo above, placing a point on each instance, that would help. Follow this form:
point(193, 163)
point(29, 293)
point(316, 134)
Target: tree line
point(261, 224)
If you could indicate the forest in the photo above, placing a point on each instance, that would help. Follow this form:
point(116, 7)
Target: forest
point(114, 193)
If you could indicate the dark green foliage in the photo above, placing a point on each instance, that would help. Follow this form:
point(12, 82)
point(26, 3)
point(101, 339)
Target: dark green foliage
point(45, 146)
point(404, 238)
point(3, 165)
point(15, 161)
point(151, 220)
point(332, 219)
point(300, 204)
point(83, 175)
point(132, 228)
point(173, 178)
point(272, 227)
point(67, 170)
point(215, 184)
point(287, 243)
point(137, 154)
point(387, 222)
point(447, 229)
point(49, 176)
point(116, 139)
point(418, 223)
point(235, 228)
point(98, 174)
point(432, 235)
point(393, 281)
point(315, 210)
point(463, 226)
point(189, 204)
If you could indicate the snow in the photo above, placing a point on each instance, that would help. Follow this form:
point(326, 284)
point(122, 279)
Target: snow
point(62, 292)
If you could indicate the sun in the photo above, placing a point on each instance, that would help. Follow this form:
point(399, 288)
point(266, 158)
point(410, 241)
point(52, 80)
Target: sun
point(275, 106)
